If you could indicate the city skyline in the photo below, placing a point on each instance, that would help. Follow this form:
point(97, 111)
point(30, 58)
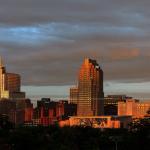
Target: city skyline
point(74, 74)
point(62, 92)
point(46, 41)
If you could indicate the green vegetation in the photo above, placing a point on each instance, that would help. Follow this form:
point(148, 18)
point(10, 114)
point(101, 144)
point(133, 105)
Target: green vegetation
point(76, 138)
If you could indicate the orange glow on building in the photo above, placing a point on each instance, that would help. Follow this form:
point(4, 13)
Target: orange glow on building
point(10, 84)
point(74, 95)
point(133, 107)
point(90, 89)
point(98, 121)
point(49, 112)
point(3, 85)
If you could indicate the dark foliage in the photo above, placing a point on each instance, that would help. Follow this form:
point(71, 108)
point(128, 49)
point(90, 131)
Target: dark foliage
point(76, 138)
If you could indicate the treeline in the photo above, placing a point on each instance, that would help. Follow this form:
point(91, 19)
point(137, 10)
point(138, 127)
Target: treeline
point(76, 138)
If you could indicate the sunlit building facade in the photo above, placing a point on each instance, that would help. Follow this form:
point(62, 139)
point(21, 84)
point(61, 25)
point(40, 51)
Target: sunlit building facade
point(49, 112)
point(3, 85)
point(10, 84)
point(102, 122)
point(74, 95)
point(111, 103)
point(133, 107)
point(90, 89)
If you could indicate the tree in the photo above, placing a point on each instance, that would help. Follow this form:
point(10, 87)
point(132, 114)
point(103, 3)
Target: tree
point(5, 123)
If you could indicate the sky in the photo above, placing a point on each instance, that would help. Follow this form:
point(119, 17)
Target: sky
point(45, 41)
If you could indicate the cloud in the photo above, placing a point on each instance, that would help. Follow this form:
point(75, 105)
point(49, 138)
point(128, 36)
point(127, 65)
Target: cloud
point(46, 41)
point(60, 67)
point(124, 54)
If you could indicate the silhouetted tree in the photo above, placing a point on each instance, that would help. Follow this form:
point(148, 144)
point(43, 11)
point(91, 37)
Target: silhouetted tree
point(5, 123)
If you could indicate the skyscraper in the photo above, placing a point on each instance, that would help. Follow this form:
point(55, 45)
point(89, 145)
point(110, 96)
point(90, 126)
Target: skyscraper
point(3, 85)
point(9, 84)
point(90, 89)
point(74, 95)
point(13, 82)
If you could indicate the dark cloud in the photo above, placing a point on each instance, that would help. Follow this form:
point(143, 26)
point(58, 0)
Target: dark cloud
point(46, 41)
point(104, 11)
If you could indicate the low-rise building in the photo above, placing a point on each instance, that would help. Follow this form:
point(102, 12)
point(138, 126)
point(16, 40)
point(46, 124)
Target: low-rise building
point(111, 104)
point(74, 95)
point(133, 107)
point(49, 112)
point(18, 111)
point(98, 121)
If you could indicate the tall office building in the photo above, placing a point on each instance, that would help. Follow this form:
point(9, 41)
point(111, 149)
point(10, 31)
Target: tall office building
point(3, 85)
point(74, 95)
point(13, 82)
point(90, 89)
point(10, 84)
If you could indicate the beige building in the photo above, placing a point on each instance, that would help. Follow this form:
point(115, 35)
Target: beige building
point(3, 84)
point(135, 108)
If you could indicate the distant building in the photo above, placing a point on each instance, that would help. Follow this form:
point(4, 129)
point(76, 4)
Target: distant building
point(111, 103)
point(13, 82)
point(133, 107)
point(10, 84)
point(90, 89)
point(45, 112)
point(49, 112)
point(18, 111)
point(64, 109)
point(74, 95)
point(3, 85)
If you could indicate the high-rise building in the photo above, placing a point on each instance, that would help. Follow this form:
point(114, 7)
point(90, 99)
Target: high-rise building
point(3, 84)
point(9, 84)
point(90, 89)
point(13, 82)
point(74, 95)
